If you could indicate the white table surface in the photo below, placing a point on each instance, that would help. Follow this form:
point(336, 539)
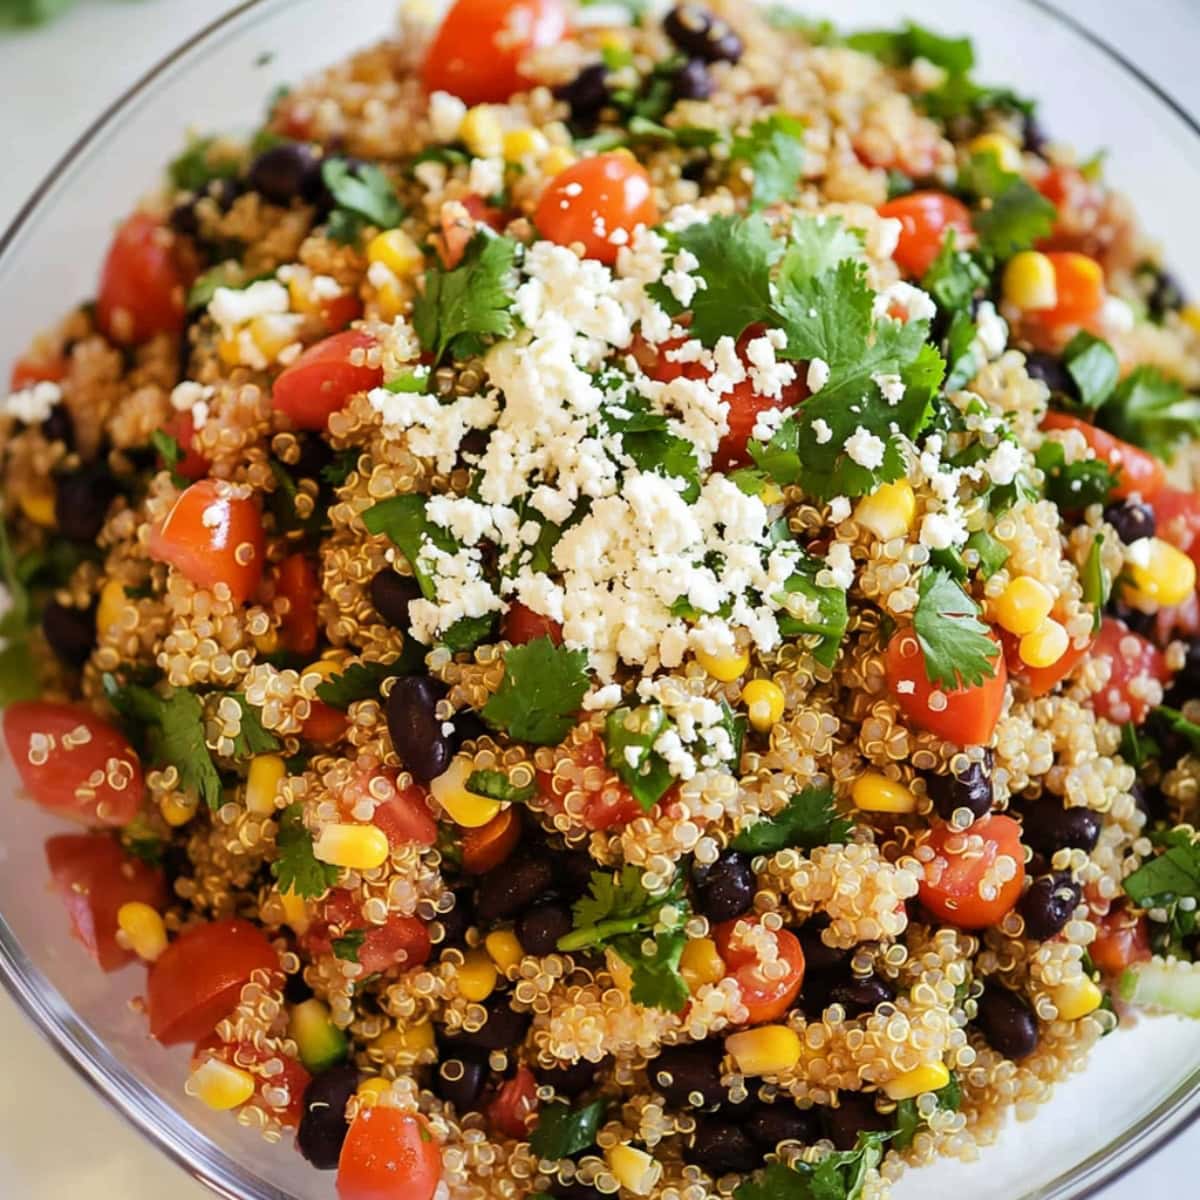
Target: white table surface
point(57, 1137)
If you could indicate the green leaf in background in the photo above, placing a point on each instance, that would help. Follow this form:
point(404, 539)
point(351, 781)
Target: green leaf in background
point(31, 12)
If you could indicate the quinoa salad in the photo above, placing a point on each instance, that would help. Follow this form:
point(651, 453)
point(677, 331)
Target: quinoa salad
point(611, 594)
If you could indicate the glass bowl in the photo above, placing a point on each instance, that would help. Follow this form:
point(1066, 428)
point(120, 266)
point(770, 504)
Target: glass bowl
point(1100, 1122)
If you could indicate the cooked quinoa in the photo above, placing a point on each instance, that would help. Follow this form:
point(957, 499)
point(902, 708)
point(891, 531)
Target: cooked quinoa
point(618, 600)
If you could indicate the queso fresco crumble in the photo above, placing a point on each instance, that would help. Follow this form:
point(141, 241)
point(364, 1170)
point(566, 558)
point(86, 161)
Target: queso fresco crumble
point(612, 597)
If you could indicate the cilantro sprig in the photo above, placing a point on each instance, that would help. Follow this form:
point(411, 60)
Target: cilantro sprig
point(562, 1130)
point(630, 734)
point(1151, 410)
point(956, 645)
point(1012, 214)
point(815, 610)
point(840, 1175)
point(363, 196)
point(1168, 886)
point(542, 689)
point(496, 785)
point(808, 820)
point(773, 149)
point(1097, 585)
point(297, 869)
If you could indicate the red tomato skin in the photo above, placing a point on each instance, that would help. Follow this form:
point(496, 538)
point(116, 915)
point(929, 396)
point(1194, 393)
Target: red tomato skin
point(594, 198)
point(1122, 939)
point(294, 1077)
point(766, 1000)
point(1136, 470)
point(949, 889)
point(924, 218)
point(610, 806)
point(324, 725)
point(513, 1105)
point(1040, 681)
point(521, 624)
point(486, 848)
point(60, 783)
point(1178, 520)
point(1130, 657)
point(94, 877)
point(193, 465)
point(28, 371)
point(322, 380)
point(388, 1155)
point(406, 817)
point(201, 534)
point(338, 311)
point(141, 287)
point(477, 51)
point(199, 978)
point(297, 581)
point(401, 943)
point(970, 714)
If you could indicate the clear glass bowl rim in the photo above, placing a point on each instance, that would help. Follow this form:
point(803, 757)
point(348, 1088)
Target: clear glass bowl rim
point(166, 1128)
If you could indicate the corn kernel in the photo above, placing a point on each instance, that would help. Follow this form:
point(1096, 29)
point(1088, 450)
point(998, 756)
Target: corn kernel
point(464, 808)
point(1045, 645)
point(397, 251)
point(113, 603)
point(766, 1050)
point(1157, 575)
point(874, 792)
point(1191, 316)
point(557, 160)
point(267, 772)
point(477, 976)
point(228, 351)
point(295, 912)
point(390, 300)
point(38, 505)
point(524, 143)
point(772, 493)
point(1029, 281)
point(272, 332)
point(635, 1170)
point(359, 847)
point(370, 1090)
point(143, 926)
point(700, 963)
point(1076, 999)
point(220, 1085)
point(724, 667)
point(1023, 605)
point(889, 511)
point(764, 702)
point(912, 1083)
point(1007, 153)
point(407, 1045)
point(504, 947)
point(481, 131)
point(178, 808)
point(614, 39)
point(326, 668)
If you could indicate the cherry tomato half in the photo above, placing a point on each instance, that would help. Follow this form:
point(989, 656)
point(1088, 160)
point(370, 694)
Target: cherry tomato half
point(766, 999)
point(1178, 520)
point(515, 1102)
point(213, 534)
point(489, 845)
point(293, 1079)
point(955, 888)
point(595, 199)
point(94, 877)
point(388, 1155)
point(405, 817)
point(141, 286)
point(1136, 470)
point(193, 465)
point(1135, 664)
point(324, 725)
point(402, 942)
point(59, 749)
point(199, 977)
point(607, 803)
point(296, 581)
point(521, 624)
point(28, 371)
point(1122, 939)
point(924, 218)
point(322, 380)
point(970, 713)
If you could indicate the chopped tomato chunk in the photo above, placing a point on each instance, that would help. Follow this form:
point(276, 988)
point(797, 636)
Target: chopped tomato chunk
point(767, 998)
point(193, 465)
point(322, 380)
point(521, 624)
point(1136, 471)
point(388, 1155)
point(141, 286)
point(976, 875)
point(490, 844)
point(296, 581)
point(1122, 939)
point(514, 1104)
point(402, 942)
point(924, 218)
point(405, 816)
point(607, 803)
point(28, 371)
point(1137, 672)
point(1178, 520)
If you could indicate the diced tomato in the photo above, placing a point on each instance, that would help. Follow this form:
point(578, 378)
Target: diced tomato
point(296, 581)
point(28, 371)
point(324, 725)
point(514, 1104)
point(1079, 284)
point(477, 51)
point(292, 1079)
point(214, 534)
point(1079, 202)
point(608, 804)
point(322, 380)
point(521, 624)
point(1122, 939)
point(94, 877)
point(1177, 520)
point(460, 221)
point(490, 844)
point(338, 311)
point(766, 998)
point(141, 285)
point(924, 218)
point(400, 942)
point(199, 978)
point(956, 887)
point(1041, 680)
point(59, 749)
point(405, 816)
point(388, 1155)
point(970, 713)
point(193, 465)
point(594, 199)
point(1136, 470)
point(1135, 665)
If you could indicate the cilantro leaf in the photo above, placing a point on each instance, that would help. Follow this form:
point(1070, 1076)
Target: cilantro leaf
point(362, 681)
point(495, 785)
point(959, 345)
point(811, 608)
point(1137, 748)
point(630, 734)
point(774, 151)
point(955, 644)
point(1168, 877)
point(562, 1130)
point(840, 1175)
point(816, 245)
point(909, 1120)
point(252, 738)
point(403, 520)
point(1151, 410)
point(955, 277)
point(170, 452)
point(344, 462)
point(1092, 363)
point(1013, 213)
point(1074, 485)
point(899, 47)
point(542, 689)
point(364, 195)
point(202, 161)
point(461, 308)
point(1178, 723)
point(18, 672)
point(296, 868)
point(809, 820)
point(349, 944)
point(657, 981)
point(659, 452)
point(1097, 586)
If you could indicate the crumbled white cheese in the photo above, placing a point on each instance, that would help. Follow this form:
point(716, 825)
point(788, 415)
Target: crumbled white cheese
point(486, 176)
point(768, 376)
point(818, 375)
point(991, 331)
point(891, 386)
point(914, 303)
point(446, 114)
point(233, 307)
point(33, 404)
point(941, 530)
point(839, 564)
point(865, 448)
point(821, 431)
point(1116, 316)
point(602, 698)
point(767, 422)
point(839, 509)
point(1002, 465)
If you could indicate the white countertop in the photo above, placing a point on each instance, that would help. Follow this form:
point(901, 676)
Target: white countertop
point(57, 1137)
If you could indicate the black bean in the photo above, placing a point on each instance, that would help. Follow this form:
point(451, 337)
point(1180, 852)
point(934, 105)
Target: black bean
point(315, 454)
point(693, 81)
point(696, 169)
point(1050, 370)
point(783, 1122)
point(970, 789)
point(513, 886)
point(1164, 293)
point(1033, 136)
point(459, 1080)
point(721, 1146)
point(323, 1125)
point(539, 928)
point(295, 990)
point(573, 871)
point(468, 726)
point(701, 34)
point(287, 172)
point(854, 1114)
point(415, 729)
point(71, 632)
point(1046, 826)
point(391, 594)
point(504, 1029)
point(59, 427)
point(725, 889)
point(1131, 520)
point(459, 919)
point(1047, 905)
point(817, 955)
point(861, 994)
point(1186, 684)
point(569, 1080)
point(683, 1072)
point(81, 501)
point(1006, 1022)
point(576, 1190)
point(587, 93)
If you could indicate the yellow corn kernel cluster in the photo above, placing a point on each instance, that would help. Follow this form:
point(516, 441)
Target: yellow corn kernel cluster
point(267, 772)
point(635, 1170)
point(1029, 281)
point(481, 131)
point(358, 847)
point(522, 144)
point(220, 1085)
point(700, 963)
point(890, 511)
point(295, 912)
point(38, 506)
point(464, 808)
point(1157, 575)
point(505, 949)
point(273, 332)
point(396, 251)
point(764, 702)
point(477, 976)
point(1190, 313)
point(143, 926)
point(1045, 645)
point(558, 159)
point(1006, 151)
point(766, 1050)
point(370, 1090)
point(1023, 605)
point(724, 667)
point(1076, 999)
point(407, 1044)
point(178, 808)
point(920, 1079)
point(873, 792)
point(112, 604)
